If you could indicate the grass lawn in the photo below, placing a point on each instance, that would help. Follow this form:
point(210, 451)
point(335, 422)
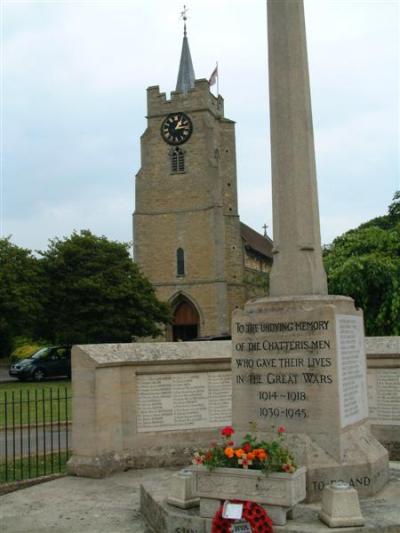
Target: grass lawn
point(33, 467)
point(34, 403)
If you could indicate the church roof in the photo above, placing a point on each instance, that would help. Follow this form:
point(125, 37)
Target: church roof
point(255, 241)
point(186, 71)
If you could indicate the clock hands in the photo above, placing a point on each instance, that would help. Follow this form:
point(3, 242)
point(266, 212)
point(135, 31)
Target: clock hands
point(179, 126)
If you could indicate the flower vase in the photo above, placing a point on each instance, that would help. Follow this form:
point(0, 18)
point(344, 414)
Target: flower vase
point(277, 492)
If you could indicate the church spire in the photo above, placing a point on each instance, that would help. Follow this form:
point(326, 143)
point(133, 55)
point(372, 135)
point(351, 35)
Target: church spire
point(186, 71)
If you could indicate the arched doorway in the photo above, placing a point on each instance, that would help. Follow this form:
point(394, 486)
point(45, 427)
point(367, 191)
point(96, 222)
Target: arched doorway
point(185, 325)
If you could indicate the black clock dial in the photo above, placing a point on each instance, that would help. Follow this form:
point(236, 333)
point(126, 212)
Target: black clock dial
point(176, 128)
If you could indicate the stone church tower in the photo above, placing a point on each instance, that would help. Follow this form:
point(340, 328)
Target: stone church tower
point(187, 236)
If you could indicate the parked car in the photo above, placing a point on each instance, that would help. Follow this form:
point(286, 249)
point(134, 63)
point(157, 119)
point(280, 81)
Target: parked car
point(48, 362)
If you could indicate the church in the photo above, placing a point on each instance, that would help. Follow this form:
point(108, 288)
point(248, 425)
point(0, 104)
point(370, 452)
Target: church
point(188, 238)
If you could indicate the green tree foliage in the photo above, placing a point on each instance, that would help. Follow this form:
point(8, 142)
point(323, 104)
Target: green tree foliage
point(20, 302)
point(364, 263)
point(96, 293)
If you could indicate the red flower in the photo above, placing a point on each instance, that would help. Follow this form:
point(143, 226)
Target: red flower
point(247, 447)
point(227, 431)
point(281, 429)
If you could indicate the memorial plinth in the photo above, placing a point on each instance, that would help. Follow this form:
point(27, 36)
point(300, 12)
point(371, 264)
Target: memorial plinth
point(143, 405)
point(300, 362)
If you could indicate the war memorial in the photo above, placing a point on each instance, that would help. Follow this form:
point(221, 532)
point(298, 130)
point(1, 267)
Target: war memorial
point(297, 357)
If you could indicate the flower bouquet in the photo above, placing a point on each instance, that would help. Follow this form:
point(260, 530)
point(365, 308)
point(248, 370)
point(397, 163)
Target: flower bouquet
point(251, 453)
point(255, 470)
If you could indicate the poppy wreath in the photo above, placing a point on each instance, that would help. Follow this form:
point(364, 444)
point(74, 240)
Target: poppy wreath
point(255, 515)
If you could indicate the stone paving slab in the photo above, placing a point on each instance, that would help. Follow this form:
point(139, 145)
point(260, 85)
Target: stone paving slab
point(77, 505)
point(111, 505)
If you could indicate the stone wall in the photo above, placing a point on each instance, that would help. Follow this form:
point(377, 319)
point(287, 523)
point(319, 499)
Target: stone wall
point(146, 405)
point(151, 404)
point(383, 361)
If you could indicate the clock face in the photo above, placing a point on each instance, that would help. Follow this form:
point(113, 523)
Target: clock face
point(176, 128)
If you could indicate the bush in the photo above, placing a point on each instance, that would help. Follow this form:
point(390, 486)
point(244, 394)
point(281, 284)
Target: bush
point(25, 348)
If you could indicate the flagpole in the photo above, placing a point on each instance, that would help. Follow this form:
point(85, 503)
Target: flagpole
point(217, 80)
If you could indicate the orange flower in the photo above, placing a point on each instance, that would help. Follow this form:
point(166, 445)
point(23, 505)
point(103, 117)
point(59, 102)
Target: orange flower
point(262, 455)
point(251, 456)
point(229, 452)
point(239, 452)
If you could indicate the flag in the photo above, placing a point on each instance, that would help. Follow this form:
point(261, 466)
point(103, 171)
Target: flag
point(213, 77)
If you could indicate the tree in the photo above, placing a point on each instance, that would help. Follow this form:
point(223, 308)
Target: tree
point(364, 263)
point(95, 293)
point(394, 209)
point(20, 301)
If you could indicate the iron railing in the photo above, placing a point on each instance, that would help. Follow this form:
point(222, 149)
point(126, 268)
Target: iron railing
point(34, 432)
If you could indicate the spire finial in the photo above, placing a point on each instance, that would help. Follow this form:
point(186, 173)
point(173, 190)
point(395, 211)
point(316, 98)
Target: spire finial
point(186, 73)
point(184, 17)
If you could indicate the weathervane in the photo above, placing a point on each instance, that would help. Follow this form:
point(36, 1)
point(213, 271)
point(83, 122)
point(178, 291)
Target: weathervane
point(184, 17)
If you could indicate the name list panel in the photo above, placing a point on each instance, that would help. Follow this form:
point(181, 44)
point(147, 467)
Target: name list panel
point(183, 401)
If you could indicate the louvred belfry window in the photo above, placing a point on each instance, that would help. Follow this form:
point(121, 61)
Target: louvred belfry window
point(177, 160)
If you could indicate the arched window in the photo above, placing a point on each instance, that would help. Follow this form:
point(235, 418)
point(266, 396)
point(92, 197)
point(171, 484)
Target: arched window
point(180, 262)
point(177, 160)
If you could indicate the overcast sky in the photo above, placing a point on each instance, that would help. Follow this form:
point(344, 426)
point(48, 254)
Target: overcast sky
point(74, 79)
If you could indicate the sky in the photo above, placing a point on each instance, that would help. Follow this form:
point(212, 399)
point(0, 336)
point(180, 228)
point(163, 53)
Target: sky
point(73, 104)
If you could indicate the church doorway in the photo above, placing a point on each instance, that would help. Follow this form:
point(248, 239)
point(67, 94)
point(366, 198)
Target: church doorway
point(185, 325)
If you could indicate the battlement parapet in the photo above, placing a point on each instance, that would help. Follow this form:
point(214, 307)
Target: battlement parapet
point(200, 97)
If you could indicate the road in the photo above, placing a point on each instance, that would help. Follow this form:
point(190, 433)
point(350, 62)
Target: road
point(5, 377)
point(32, 441)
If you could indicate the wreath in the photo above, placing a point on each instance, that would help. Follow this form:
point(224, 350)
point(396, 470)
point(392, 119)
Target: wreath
point(255, 515)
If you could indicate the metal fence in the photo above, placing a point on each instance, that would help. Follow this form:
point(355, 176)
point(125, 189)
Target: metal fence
point(34, 432)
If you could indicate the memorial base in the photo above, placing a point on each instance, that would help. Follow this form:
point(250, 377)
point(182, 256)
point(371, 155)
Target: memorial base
point(104, 465)
point(381, 513)
point(364, 467)
point(299, 362)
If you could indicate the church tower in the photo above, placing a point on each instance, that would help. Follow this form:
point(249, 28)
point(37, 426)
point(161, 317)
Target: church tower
point(186, 224)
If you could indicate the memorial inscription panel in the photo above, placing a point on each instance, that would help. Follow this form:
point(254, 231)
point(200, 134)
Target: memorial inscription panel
point(384, 396)
point(284, 372)
point(352, 369)
point(183, 401)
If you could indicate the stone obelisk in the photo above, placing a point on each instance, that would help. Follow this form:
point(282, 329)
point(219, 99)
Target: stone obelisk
point(298, 355)
point(297, 267)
